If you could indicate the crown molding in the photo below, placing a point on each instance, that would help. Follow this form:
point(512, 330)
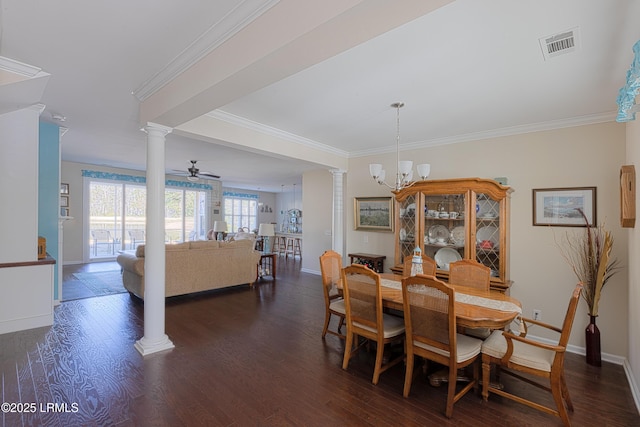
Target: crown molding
point(277, 133)
point(232, 23)
point(495, 133)
point(18, 67)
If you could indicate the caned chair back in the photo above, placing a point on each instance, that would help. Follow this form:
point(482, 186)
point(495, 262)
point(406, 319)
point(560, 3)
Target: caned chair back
point(428, 266)
point(429, 313)
point(430, 327)
point(470, 273)
point(331, 269)
point(363, 301)
point(363, 309)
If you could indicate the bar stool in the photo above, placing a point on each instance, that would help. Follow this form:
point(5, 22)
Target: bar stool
point(282, 245)
point(275, 246)
point(289, 247)
point(297, 247)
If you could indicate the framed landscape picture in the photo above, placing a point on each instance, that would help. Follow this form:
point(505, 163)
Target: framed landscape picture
point(373, 213)
point(563, 206)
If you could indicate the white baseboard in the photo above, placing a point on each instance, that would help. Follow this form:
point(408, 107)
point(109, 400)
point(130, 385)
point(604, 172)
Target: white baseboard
point(635, 391)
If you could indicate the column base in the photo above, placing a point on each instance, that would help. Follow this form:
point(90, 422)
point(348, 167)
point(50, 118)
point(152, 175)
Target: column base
point(146, 347)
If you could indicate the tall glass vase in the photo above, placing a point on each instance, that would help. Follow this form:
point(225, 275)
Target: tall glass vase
point(592, 339)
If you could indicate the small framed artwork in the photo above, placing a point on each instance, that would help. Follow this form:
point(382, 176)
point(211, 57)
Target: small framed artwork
point(64, 211)
point(64, 201)
point(564, 206)
point(373, 213)
point(64, 188)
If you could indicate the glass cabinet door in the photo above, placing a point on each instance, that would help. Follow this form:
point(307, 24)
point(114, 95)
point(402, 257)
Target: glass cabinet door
point(487, 244)
point(445, 233)
point(407, 231)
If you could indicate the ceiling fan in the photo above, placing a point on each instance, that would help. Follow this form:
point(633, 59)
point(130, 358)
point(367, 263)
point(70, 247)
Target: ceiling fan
point(193, 173)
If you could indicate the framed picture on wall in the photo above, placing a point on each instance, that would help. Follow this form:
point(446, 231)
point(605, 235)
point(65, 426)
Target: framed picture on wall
point(64, 211)
point(64, 201)
point(563, 207)
point(64, 188)
point(373, 213)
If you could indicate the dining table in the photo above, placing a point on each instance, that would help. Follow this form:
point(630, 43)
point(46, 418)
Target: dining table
point(475, 308)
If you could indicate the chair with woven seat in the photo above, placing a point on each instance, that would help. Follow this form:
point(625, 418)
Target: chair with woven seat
point(471, 274)
point(428, 266)
point(430, 325)
point(364, 316)
point(331, 269)
point(516, 353)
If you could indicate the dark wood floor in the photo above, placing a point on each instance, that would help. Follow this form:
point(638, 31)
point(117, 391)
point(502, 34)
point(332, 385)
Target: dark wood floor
point(250, 356)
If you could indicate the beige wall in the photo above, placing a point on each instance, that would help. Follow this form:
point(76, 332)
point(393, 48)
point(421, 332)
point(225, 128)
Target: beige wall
point(633, 335)
point(317, 199)
point(572, 157)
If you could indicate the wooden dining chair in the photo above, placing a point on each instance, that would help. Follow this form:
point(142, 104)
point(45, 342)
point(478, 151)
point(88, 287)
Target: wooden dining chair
point(428, 266)
point(331, 269)
point(364, 317)
point(517, 353)
point(471, 274)
point(430, 325)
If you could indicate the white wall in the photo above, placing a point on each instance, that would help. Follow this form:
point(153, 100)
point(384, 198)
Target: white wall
point(572, 157)
point(19, 185)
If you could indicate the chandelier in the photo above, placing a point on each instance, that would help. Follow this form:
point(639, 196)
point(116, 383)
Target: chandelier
point(404, 172)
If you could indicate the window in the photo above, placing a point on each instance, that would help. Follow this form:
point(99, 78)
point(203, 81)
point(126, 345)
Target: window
point(240, 210)
point(117, 212)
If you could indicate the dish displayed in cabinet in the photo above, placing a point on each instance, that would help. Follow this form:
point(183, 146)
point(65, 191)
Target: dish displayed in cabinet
point(438, 234)
point(457, 235)
point(487, 234)
point(458, 218)
point(446, 256)
point(486, 209)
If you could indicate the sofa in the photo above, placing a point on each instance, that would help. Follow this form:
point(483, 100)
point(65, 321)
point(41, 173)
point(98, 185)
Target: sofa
point(195, 266)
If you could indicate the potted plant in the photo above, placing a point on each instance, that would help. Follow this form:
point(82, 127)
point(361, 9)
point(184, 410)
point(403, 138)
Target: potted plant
point(589, 255)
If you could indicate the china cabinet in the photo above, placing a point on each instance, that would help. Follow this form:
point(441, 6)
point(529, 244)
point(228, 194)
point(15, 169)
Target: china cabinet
point(449, 220)
point(292, 221)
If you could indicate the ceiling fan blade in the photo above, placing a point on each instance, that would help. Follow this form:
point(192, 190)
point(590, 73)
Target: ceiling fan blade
point(210, 175)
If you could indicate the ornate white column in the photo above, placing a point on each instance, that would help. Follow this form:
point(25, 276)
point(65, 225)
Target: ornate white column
point(154, 338)
point(338, 231)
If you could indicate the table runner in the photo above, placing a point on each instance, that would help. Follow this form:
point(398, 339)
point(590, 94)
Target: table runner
point(467, 299)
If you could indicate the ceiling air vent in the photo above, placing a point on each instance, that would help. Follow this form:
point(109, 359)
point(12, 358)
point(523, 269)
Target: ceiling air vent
point(560, 44)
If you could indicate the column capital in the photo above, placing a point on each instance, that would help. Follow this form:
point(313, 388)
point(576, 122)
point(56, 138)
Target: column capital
point(337, 171)
point(39, 108)
point(156, 128)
